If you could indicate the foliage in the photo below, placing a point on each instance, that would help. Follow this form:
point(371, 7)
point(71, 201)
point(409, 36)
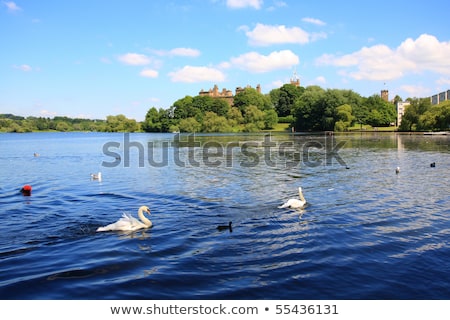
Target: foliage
point(251, 97)
point(12, 123)
point(189, 125)
point(284, 98)
point(317, 109)
point(344, 118)
point(420, 115)
point(152, 121)
point(270, 119)
point(215, 123)
point(381, 113)
point(251, 111)
point(120, 123)
point(306, 109)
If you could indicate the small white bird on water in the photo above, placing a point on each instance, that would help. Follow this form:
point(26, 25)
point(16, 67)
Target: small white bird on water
point(96, 176)
point(129, 223)
point(295, 203)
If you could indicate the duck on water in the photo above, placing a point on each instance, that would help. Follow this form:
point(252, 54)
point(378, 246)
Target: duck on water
point(225, 227)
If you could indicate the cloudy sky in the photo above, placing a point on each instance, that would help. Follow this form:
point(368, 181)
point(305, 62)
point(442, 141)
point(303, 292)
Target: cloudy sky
point(107, 57)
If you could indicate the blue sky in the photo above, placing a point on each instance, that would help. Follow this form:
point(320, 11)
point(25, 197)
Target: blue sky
point(105, 57)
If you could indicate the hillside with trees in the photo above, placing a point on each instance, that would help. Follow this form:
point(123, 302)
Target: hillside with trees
point(306, 109)
point(251, 111)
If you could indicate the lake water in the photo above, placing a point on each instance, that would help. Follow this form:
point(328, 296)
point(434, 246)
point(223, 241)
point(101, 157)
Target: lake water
point(366, 233)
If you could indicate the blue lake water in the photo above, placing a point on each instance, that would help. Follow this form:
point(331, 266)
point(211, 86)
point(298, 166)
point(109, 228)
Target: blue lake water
point(366, 233)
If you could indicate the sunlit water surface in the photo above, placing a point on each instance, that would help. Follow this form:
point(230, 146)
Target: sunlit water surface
point(366, 233)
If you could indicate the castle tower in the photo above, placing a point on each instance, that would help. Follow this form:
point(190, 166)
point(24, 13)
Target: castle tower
point(215, 91)
point(295, 80)
point(385, 95)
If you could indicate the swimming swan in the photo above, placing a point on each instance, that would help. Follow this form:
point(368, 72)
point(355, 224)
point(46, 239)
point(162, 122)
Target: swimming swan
point(129, 223)
point(295, 203)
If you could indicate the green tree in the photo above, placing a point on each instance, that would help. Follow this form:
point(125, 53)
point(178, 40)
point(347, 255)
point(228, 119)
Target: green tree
point(249, 96)
point(62, 126)
point(397, 99)
point(410, 119)
point(437, 117)
point(283, 99)
point(189, 125)
point(5, 124)
point(120, 123)
point(443, 116)
point(220, 107)
point(168, 122)
point(214, 123)
point(254, 116)
point(270, 119)
point(235, 117)
point(308, 109)
point(184, 108)
point(381, 112)
point(344, 117)
point(203, 103)
point(152, 122)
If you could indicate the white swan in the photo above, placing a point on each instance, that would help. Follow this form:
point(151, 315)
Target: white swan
point(295, 203)
point(129, 223)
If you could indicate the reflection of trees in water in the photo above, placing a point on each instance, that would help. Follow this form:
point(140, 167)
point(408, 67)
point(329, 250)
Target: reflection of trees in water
point(396, 141)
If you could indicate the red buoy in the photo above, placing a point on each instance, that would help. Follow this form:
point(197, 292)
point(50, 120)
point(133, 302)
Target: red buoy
point(26, 190)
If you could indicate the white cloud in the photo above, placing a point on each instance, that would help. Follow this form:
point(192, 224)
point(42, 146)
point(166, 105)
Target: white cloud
point(416, 91)
point(24, 67)
point(427, 53)
point(380, 62)
point(191, 74)
point(239, 4)
point(153, 99)
point(265, 35)
point(149, 73)
point(47, 113)
point(181, 52)
point(317, 22)
point(277, 84)
point(257, 63)
point(105, 60)
point(317, 36)
point(277, 4)
point(184, 52)
point(134, 59)
point(12, 6)
point(443, 81)
point(320, 80)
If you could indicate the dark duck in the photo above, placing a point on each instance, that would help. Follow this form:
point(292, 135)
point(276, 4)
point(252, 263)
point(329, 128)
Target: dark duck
point(225, 227)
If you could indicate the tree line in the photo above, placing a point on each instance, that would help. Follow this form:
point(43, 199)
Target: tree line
point(420, 115)
point(251, 111)
point(119, 123)
point(304, 109)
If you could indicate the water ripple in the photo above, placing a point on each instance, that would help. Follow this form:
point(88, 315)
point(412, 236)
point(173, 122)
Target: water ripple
point(366, 232)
